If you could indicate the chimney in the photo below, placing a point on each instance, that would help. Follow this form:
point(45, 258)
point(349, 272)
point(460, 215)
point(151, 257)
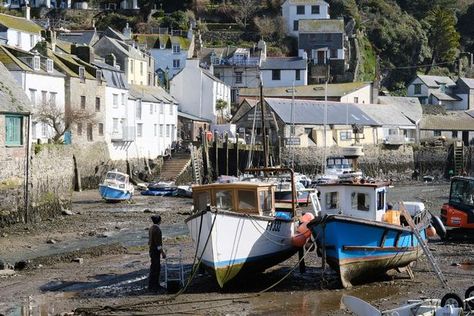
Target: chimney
point(28, 12)
point(50, 37)
point(111, 60)
point(83, 52)
point(127, 32)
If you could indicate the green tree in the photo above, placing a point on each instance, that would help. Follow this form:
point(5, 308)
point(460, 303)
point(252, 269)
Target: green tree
point(443, 38)
point(465, 28)
point(177, 20)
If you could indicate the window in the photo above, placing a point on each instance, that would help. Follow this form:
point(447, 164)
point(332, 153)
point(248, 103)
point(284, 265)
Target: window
point(380, 200)
point(151, 108)
point(123, 98)
point(201, 200)
point(141, 68)
point(455, 134)
point(168, 130)
point(138, 115)
point(161, 130)
point(97, 104)
point(332, 200)
point(52, 98)
point(315, 9)
point(297, 74)
point(417, 88)
point(89, 132)
point(44, 97)
point(162, 108)
point(276, 75)
point(32, 40)
point(360, 201)
point(101, 129)
point(155, 129)
point(49, 65)
point(13, 130)
point(82, 74)
point(115, 100)
point(300, 9)
point(33, 130)
point(18, 38)
point(442, 87)
point(437, 133)
point(295, 25)
point(345, 135)
point(333, 53)
point(176, 49)
point(175, 63)
point(98, 76)
point(83, 102)
point(79, 128)
point(171, 109)
point(224, 199)
point(115, 124)
point(238, 77)
point(44, 130)
point(139, 130)
point(356, 99)
point(131, 66)
point(247, 200)
point(265, 198)
point(33, 96)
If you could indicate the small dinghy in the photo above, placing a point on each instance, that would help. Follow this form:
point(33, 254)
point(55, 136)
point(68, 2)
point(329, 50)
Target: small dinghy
point(116, 187)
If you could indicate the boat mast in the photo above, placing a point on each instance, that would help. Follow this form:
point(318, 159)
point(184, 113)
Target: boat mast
point(264, 133)
point(325, 123)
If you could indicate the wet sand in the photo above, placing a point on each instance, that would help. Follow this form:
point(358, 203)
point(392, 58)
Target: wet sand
point(111, 240)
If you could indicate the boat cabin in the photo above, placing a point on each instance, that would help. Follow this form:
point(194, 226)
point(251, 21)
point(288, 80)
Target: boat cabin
point(241, 197)
point(116, 179)
point(360, 200)
point(339, 165)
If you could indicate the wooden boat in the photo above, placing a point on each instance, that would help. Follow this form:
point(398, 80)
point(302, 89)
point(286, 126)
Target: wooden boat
point(116, 187)
point(237, 231)
point(358, 236)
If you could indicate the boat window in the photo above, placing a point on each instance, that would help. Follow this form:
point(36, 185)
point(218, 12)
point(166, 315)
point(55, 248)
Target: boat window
point(380, 200)
point(266, 201)
point(201, 200)
point(247, 200)
point(120, 178)
point(224, 199)
point(332, 200)
point(360, 201)
point(110, 176)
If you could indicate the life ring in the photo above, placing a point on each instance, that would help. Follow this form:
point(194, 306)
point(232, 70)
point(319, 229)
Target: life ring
point(452, 299)
point(470, 293)
point(439, 226)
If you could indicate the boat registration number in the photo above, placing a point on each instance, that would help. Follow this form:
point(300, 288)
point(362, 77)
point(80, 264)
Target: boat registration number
point(274, 226)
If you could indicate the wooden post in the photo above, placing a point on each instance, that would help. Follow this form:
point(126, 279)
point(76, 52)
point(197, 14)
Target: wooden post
point(237, 166)
point(77, 173)
point(226, 154)
point(205, 157)
point(216, 149)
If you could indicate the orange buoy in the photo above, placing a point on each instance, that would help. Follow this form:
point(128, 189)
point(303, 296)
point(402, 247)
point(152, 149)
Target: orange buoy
point(431, 231)
point(303, 229)
point(307, 217)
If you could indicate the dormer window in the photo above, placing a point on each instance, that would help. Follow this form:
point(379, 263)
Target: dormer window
point(176, 49)
point(82, 74)
point(49, 65)
point(442, 87)
point(98, 76)
point(36, 63)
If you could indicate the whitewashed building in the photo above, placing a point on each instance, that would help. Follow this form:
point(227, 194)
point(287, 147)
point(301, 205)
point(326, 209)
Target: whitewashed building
point(295, 10)
point(155, 121)
point(198, 92)
point(19, 32)
point(41, 82)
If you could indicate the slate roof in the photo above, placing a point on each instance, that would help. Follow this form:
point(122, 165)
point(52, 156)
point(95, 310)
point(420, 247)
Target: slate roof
point(193, 117)
point(87, 37)
point(12, 98)
point(113, 77)
point(445, 97)
point(18, 23)
point(151, 94)
point(284, 63)
point(312, 112)
point(310, 91)
point(409, 106)
point(16, 60)
point(125, 48)
point(155, 40)
point(435, 81)
point(452, 121)
point(468, 81)
point(321, 26)
point(387, 114)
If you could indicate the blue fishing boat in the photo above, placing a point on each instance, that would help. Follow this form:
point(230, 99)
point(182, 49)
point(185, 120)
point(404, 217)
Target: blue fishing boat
point(116, 187)
point(359, 236)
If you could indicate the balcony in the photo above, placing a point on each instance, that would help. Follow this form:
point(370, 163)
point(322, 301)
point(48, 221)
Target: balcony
point(397, 140)
point(127, 134)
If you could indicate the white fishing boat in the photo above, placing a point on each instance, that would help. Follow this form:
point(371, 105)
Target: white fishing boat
point(116, 187)
point(236, 229)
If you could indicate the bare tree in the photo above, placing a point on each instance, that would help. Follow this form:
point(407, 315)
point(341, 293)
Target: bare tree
point(53, 116)
point(246, 10)
point(270, 28)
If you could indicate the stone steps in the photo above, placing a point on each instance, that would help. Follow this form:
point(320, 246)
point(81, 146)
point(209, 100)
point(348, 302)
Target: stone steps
point(172, 168)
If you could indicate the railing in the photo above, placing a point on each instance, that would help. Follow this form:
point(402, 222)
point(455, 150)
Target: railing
point(127, 134)
point(397, 140)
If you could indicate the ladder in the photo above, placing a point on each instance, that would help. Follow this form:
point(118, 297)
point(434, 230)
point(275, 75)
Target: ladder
point(174, 272)
point(424, 246)
point(458, 152)
point(196, 166)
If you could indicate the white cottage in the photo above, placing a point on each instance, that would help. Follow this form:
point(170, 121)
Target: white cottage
point(198, 92)
point(19, 32)
point(295, 10)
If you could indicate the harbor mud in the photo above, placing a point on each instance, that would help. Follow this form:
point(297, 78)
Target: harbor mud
point(95, 261)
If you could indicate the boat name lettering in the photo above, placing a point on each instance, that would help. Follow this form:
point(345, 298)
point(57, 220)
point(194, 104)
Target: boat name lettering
point(274, 226)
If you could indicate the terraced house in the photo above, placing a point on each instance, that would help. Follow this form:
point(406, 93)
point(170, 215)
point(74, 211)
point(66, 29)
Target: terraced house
point(19, 32)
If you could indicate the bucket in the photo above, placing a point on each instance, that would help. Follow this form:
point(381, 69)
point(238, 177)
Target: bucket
point(392, 217)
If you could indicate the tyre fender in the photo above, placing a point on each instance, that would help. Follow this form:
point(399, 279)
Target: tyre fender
point(470, 293)
point(452, 299)
point(439, 226)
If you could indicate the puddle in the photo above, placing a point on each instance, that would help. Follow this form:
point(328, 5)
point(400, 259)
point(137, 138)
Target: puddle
point(469, 265)
point(315, 302)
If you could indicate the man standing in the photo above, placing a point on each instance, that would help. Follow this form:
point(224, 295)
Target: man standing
point(155, 242)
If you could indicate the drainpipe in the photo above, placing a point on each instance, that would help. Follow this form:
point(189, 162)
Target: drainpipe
point(417, 133)
point(27, 171)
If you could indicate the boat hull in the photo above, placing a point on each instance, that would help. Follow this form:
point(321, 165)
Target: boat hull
point(239, 244)
point(357, 248)
point(109, 193)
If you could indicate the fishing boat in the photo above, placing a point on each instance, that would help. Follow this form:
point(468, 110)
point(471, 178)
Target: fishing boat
point(161, 189)
point(283, 192)
point(359, 235)
point(116, 187)
point(236, 230)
